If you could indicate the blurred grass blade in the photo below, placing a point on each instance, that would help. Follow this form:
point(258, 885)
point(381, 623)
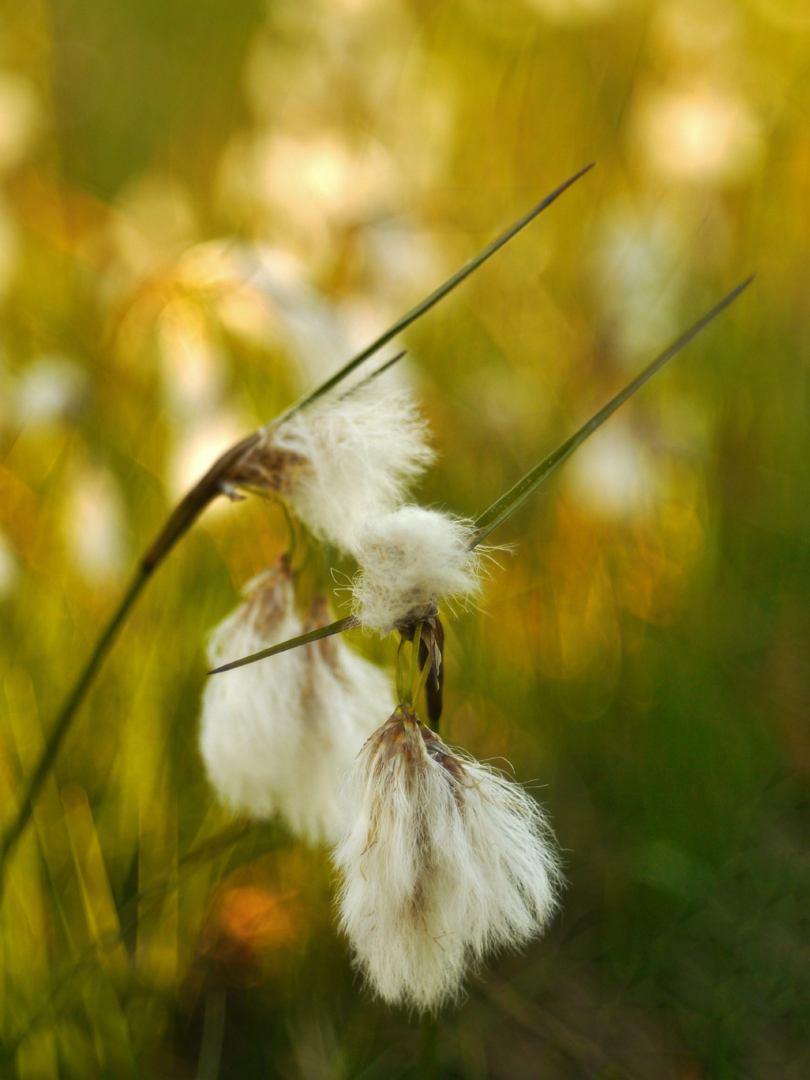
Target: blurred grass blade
point(517, 495)
point(303, 639)
point(429, 301)
point(212, 1035)
point(87, 962)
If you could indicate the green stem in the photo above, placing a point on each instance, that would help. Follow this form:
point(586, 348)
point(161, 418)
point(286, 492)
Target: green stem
point(180, 520)
point(424, 673)
point(63, 721)
point(401, 680)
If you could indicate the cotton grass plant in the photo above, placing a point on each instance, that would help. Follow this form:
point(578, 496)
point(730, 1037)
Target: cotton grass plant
point(441, 860)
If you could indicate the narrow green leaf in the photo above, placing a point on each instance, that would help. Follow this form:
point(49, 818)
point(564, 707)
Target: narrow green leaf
point(517, 495)
point(433, 298)
point(292, 643)
point(375, 374)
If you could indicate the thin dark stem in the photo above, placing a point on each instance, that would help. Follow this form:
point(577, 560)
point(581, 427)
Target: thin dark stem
point(63, 721)
point(184, 515)
point(349, 623)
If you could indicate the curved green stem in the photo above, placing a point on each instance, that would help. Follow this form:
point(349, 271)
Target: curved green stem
point(179, 522)
point(63, 721)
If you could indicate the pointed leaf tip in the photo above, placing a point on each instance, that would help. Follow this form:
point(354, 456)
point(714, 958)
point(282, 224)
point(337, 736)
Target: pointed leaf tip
point(433, 298)
point(507, 504)
point(292, 643)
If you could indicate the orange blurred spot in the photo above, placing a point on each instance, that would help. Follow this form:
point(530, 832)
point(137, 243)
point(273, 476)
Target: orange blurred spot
point(250, 923)
point(256, 918)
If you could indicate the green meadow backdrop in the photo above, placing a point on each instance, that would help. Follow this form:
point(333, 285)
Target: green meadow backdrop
point(204, 209)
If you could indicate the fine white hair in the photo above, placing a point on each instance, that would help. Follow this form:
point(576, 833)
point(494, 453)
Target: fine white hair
point(342, 694)
point(442, 860)
point(410, 561)
point(279, 736)
point(350, 457)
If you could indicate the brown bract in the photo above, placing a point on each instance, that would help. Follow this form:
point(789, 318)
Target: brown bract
point(405, 736)
point(267, 468)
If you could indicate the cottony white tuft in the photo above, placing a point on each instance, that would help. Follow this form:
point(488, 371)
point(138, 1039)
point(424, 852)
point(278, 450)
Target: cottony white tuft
point(342, 695)
point(410, 560)
point(279, 736)
point(341, 460)
point(442, 860)
point(252, 716)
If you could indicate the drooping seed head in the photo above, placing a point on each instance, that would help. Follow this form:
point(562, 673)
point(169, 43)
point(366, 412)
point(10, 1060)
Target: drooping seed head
point(442, 860)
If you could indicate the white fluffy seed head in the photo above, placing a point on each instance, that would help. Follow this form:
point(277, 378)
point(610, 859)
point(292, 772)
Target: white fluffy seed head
point(442, 860)
point(346, 458)
point(410, 561)
point(278, 737)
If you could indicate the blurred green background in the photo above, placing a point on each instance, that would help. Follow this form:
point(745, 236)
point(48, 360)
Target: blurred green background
point(204, 209)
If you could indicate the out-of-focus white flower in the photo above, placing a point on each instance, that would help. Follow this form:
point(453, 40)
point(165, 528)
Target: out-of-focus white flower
point(614, 475)
point(194, 443)
point(20, 118)
point(699, 134)
point(192, 365)
point(279, 736)
point(442, 860)
point(302, 315)
point(50, 389)
point(639, 278)
point(410, 560)
point(93, 522)
point(342, 460)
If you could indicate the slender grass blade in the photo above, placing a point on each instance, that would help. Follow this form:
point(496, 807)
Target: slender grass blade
point(292, 643)
point(429, 301)
point(517, 495)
